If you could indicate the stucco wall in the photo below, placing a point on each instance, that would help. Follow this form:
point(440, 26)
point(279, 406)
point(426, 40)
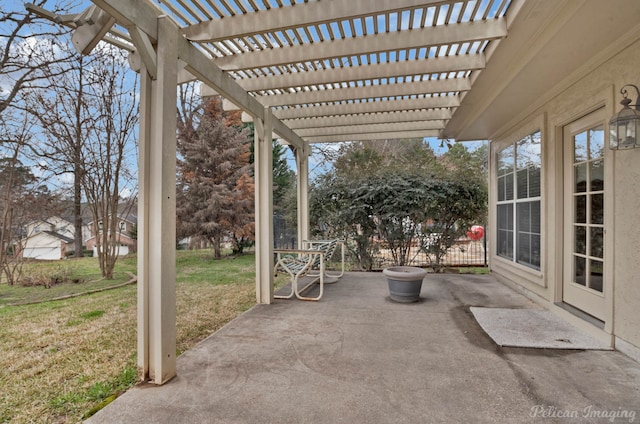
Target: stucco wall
point(627, 246)
point(599, 85)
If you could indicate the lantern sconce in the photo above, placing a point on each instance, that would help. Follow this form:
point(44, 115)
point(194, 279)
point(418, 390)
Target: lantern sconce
point(624, 127)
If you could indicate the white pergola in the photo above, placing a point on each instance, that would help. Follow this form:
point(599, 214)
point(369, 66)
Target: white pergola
point(307, 71)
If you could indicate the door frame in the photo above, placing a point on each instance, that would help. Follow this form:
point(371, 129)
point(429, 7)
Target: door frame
point(603, 99)
point(588, 301)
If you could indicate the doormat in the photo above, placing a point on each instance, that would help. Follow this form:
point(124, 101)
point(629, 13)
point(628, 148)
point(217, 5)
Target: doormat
point(533, 328)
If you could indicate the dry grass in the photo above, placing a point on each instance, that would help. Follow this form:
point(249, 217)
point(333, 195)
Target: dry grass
point(60, 359)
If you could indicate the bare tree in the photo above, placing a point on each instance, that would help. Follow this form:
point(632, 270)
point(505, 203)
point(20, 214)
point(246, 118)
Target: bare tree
point(22, 196)
point(29, 47)
point(65, 114)
point(106, 171)
point(88, 116)
point(29, 51)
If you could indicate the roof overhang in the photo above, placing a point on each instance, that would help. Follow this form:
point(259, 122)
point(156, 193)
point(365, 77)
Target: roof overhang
point(551, 44)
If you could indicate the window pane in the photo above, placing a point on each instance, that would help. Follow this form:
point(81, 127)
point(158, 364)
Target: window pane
point(505, 230)
point(523, 217)
point(580, 178)
point(534, 182)
point(502, 242)
point(581, 209)
point(505, 217)
point(524, 248)
point(528, 152)
point(579, 271)
point(596, 143)
point(501, 193)
point(508, 187)
point(596, 171)
point(501, 217)
point(535, 217)
point(535, 250)
point(595, 275)
point(523, 184)
point(597, 208)
point(528, 233)
point(505, 244)
point(597, 242)
point(580, 147)
point(580, 245)
point(505, 160)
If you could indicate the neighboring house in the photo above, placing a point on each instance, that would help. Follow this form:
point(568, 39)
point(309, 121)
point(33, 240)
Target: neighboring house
point(126, 244)
point(48, 239)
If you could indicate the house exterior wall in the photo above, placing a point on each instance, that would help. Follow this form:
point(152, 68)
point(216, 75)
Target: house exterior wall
point(53, 223)
point(126, 244)
point(43, 246)
point(596, 85)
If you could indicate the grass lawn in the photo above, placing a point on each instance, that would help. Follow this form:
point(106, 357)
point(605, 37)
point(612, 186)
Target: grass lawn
point(60, 359)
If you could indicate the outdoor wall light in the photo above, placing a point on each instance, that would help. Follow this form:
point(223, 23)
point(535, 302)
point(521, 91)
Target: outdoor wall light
point(624, 127)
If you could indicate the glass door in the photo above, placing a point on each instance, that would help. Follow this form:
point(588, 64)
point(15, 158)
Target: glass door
point(584, 260)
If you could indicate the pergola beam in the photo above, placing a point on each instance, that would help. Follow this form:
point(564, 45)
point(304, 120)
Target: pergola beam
point(96, 24)
point(144, 50)
point(429, 66)
point(368, 92)
point(416, 38)
point(372, 128)
point(374, 136)
point(369, 118)
point(368, 107)
point(279, 19)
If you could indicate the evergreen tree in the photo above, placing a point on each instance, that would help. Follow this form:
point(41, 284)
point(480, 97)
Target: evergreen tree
point(215, 189)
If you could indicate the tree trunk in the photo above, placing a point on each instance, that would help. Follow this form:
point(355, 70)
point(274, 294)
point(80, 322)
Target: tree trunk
point(77, 213)
point(77, 169)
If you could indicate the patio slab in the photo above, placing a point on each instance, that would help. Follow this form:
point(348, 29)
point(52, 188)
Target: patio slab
point(357, 357)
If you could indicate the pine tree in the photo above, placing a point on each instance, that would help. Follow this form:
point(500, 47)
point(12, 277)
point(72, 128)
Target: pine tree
point(215, 189)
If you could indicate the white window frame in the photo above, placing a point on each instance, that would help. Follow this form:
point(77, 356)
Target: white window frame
point(517, 200)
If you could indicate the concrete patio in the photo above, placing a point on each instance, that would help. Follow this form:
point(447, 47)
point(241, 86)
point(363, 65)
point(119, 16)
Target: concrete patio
point(357, 357)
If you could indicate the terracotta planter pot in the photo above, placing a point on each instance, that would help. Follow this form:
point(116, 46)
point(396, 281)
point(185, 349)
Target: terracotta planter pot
point(405, 282)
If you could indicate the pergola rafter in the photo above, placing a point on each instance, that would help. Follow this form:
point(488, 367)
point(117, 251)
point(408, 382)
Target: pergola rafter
point(430, 66)
point(367, 92)
point(390, 105)
point(346, 47)
point(372, 128)
point(315, 13)
point(369, 118)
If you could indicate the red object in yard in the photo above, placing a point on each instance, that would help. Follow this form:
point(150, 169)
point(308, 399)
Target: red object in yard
point(476, 233)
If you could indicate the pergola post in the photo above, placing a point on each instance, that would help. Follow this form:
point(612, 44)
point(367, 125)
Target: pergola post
point(157, 211)
point(302, 165)
point(263, 158)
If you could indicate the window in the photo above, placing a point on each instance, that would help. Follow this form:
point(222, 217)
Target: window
point(518, 205)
